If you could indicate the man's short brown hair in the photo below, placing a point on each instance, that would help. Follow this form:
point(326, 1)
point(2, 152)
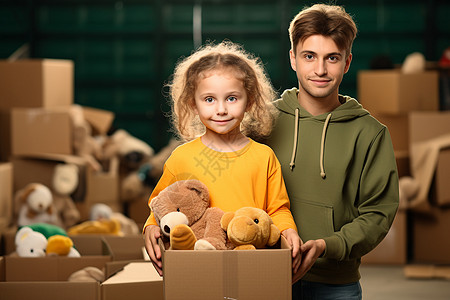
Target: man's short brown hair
point(327, 20)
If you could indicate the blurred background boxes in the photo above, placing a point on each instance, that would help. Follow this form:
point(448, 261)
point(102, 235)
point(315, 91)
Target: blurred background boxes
point(6, 194)
point(391, 92)
point(36, 83)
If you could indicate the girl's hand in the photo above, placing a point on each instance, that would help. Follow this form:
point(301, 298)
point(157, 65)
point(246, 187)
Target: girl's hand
point(294, 240)
point(151, 235)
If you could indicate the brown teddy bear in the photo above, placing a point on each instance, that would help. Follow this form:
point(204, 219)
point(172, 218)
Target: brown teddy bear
point(182, 211)
point(249, 228)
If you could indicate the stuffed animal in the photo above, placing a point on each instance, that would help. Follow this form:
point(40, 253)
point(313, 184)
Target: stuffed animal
point(140, 183)
point(111, 226)
point(59, 245)
point(34, 204)
point(31, 243)
point(65, 181)
point(182, 212)
point(131, 151)
point(250, 228)
point(84, 144)
point(101, 211)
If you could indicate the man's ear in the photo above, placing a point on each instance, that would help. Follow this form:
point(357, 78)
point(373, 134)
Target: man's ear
point(292, 59)
point(347, 63)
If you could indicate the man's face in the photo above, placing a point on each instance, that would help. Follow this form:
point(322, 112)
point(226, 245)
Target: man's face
point(320, 66)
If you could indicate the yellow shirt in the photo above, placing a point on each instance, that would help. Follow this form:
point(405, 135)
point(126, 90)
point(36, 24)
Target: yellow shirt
point(250, 176)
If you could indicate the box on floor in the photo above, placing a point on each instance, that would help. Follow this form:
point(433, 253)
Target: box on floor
point(228, 274)
point(430, 236)
point(391, 92)
point(393, 248)
point(46, 277)
point(36, 83)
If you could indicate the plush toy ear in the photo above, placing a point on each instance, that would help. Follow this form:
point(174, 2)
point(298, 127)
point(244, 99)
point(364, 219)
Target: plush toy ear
point(199, 188)
point(226, 219)
point(274, 235)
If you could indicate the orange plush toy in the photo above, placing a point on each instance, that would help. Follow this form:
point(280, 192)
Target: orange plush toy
point(183, 213)
point(249, 228)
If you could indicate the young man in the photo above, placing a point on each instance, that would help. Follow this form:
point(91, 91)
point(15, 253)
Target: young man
point(337, 160)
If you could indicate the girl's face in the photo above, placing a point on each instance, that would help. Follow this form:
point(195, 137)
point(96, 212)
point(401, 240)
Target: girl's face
point(220, 102)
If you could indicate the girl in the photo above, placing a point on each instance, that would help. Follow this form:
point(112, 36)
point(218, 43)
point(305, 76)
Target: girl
point(220, 94)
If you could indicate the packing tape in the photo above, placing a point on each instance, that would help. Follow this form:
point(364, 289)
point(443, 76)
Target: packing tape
point(230, 275)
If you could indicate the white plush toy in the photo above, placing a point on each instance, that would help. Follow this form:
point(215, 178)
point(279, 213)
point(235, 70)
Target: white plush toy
point(36, 206)
point(30, 243)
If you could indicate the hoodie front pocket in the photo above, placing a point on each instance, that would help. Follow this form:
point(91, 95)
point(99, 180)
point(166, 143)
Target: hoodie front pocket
point(314, 221)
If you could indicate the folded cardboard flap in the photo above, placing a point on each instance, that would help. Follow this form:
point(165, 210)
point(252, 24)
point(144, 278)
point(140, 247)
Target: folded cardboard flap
point(135, 281)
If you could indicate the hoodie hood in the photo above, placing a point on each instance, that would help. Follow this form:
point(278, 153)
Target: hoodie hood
point(348, 110)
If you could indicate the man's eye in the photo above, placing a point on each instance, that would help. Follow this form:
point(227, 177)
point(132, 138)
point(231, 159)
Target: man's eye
point(309, 56)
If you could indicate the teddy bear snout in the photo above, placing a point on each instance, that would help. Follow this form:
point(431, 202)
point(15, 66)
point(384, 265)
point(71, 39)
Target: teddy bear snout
point(244, 229)
point(171, 220)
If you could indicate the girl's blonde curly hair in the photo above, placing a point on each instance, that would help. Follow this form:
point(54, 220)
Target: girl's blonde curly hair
point(259, 118)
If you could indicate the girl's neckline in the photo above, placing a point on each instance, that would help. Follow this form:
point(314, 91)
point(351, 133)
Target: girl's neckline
point(236, 152)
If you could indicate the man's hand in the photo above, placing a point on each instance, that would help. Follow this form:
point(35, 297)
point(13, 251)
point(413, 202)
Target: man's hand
point(310, 250)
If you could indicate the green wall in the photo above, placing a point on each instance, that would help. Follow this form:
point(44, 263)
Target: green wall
point(124, 51)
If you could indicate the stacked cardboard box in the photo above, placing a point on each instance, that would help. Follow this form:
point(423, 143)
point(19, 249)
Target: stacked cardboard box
point(37, 128)
point(408, 104)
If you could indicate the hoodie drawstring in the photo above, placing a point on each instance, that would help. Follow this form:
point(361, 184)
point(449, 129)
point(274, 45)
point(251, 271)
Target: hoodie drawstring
point(294, 147)
point(322, 145)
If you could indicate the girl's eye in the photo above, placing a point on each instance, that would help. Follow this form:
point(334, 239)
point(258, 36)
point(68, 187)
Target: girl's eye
point(232, 99)
point(209, 99)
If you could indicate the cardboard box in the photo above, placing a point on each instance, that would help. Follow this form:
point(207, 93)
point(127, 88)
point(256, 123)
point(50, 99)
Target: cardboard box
point(393, 248)
point(5, 135)
point(6, 185)
point(441, 186)
point(41, 131)
point(100, 120)
point(45, 277)
point(425, 126)
point(95, 187)
point(228, 274)
point(136, 281)
point(94, 252)
point(36, 83)
point(398, 126)
point(125, 247)
point(391, 92)
point(429, 234)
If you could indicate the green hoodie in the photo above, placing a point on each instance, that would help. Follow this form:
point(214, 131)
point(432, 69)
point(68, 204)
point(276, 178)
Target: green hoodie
point(341, 176)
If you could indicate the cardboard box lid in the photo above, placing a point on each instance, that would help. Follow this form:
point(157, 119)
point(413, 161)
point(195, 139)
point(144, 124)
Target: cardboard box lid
point(101, 120)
